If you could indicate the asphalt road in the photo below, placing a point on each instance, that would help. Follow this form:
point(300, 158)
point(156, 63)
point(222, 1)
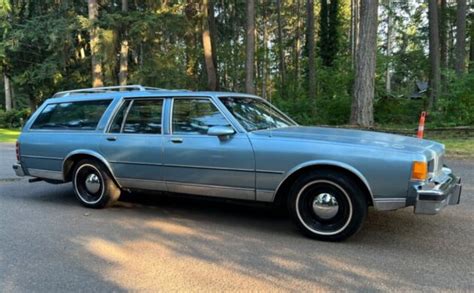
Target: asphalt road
point(48, 242)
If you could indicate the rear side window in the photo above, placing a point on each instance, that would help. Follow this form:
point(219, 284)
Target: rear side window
point(84, 115)
point(139, 116)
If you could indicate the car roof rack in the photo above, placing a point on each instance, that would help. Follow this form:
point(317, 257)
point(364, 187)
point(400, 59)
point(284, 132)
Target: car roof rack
point(105, 89)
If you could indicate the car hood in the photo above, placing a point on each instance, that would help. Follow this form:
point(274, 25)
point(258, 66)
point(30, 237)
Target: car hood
point(355, 137)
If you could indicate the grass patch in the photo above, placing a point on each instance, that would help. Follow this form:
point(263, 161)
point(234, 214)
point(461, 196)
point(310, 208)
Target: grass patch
point(458, 148)
point(9, 135)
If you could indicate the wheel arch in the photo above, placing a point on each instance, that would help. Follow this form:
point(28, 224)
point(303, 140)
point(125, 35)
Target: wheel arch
point(73, 157)
point(283, 188)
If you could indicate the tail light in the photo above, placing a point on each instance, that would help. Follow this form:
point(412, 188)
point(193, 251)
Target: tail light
point(17, 149)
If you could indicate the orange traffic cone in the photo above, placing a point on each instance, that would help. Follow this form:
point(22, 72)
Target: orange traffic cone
point(421, 126)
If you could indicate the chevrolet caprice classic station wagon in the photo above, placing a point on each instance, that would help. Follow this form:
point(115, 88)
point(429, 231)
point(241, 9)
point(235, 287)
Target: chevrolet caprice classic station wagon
point(114, 139)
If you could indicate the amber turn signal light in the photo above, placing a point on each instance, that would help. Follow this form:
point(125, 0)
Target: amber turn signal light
point(419, 171)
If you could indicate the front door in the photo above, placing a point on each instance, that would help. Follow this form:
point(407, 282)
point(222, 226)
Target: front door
point(133, 144)
point(198, 163)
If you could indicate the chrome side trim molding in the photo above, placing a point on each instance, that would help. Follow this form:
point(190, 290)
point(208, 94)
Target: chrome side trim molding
point(270, 171)
point(143, 184)
point(136, 163)
point(208, 168)
point(212, 190)
point(46, 174)
point(388, 204)
point(41, 157)
point(265, 195)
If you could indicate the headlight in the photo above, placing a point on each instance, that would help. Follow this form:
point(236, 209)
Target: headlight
point(419, 171)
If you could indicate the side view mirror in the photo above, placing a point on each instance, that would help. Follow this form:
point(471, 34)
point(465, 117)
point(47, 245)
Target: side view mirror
point(220, 131)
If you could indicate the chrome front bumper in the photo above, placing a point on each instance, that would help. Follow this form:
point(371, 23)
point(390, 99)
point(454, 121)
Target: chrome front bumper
point(443, 191)
point(18, 169)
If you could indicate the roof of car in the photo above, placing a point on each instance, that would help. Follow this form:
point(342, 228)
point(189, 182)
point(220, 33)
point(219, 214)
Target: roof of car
point(94, 94)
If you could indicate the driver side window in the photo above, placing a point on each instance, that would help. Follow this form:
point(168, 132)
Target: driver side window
point(195, 116)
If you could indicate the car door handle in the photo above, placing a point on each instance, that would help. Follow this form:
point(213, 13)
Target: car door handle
point(177, 140)
point(111, 138)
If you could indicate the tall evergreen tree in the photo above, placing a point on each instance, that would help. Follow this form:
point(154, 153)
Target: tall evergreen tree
point(329, 31)
point(460, 64)
point(96, 63)
point(250, 48)
point(211, 69)
point(362, 112)
point(310, 47)
point(435, 77)
point(123, 71)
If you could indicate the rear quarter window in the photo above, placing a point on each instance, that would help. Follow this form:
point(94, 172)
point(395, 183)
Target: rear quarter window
point(83, 115)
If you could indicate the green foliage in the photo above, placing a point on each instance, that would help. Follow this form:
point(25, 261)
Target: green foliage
point(456, 106)
point(329, 31)
point(332, 105)
point(13, 118)
point(44, 48)
point(397, 111)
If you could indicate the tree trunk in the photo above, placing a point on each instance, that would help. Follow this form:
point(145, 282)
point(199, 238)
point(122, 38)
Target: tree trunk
point(250, 48)
point(388, 74)
point(207, 46)
point(461, 37)
point(213, 34)
point(94, 44)
point(123, 73)
point(355, 18)
point(310, 44)
point(32, 102)
point(297, 52)
point(435, 76)
point(443, 34)
point(281, 52)
point(362, 102)
point(471, 46)
point(190, 41)
point(8, 92)
point(265, 51)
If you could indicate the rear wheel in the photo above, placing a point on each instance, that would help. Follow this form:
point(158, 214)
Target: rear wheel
point(327, 205)
point(93, 185)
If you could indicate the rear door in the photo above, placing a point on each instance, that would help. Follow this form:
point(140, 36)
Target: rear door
point(133, 144)
point(198, 163)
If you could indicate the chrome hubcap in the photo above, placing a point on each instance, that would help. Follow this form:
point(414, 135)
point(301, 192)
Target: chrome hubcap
point(325, 206)
point(92, 183)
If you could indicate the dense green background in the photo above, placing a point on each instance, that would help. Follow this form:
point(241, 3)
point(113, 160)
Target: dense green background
point(42, 42)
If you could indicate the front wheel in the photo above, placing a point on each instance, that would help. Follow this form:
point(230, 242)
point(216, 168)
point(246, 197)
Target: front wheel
point(327, 205)
point(93, 185)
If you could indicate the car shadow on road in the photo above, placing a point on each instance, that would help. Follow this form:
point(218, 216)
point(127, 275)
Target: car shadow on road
point(231, 241)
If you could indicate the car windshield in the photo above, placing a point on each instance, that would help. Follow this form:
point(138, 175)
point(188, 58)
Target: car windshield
point(256, 114)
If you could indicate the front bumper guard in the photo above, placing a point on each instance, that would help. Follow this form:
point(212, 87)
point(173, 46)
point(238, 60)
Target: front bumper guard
point(444, 192)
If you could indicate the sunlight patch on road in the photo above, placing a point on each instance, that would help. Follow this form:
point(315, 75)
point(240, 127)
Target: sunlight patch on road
point(145, 264)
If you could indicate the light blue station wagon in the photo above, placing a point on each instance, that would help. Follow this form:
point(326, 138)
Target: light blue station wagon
point(114, 139)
